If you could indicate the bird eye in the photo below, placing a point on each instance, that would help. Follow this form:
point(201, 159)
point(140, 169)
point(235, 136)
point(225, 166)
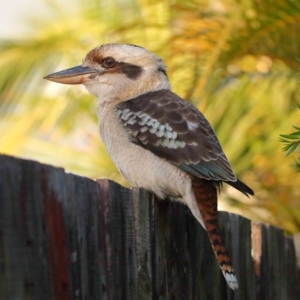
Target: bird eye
point(108, 62)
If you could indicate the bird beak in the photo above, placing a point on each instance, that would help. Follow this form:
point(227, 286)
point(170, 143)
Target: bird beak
point(75, 75)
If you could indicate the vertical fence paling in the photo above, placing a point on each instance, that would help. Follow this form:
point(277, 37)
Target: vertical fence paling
point(64, 236)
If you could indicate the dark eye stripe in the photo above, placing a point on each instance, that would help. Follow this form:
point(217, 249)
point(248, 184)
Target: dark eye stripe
point(160, 69)
point(131, 71)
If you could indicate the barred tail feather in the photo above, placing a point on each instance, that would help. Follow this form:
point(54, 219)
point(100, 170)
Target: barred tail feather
point(207, 201)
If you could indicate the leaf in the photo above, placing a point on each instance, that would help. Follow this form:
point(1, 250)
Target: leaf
point(292, 148)
point(290, 137)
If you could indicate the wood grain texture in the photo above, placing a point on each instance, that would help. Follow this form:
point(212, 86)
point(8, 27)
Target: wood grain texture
point(276, 271)
point(64, 236)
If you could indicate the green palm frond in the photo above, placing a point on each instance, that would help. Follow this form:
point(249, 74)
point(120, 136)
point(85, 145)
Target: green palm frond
point(291, 141)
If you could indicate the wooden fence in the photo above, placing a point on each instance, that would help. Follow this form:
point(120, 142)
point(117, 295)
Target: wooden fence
point(64, 236)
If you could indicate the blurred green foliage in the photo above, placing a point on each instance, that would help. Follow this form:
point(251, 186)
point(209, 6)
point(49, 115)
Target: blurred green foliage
point(235, 60)
point(292, 143)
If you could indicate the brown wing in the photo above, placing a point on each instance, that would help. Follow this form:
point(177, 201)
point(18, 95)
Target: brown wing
point(175, 130)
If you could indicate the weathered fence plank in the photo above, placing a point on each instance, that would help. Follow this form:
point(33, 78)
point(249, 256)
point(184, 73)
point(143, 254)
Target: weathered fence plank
point(67, 237)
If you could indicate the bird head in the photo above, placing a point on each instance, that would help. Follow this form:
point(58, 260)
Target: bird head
point(119, 71)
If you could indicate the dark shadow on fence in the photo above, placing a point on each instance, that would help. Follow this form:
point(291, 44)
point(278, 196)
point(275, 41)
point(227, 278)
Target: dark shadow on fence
point(64, 236)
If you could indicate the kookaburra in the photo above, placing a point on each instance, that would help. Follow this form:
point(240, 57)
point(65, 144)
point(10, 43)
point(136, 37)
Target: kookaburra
point(157, 140)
